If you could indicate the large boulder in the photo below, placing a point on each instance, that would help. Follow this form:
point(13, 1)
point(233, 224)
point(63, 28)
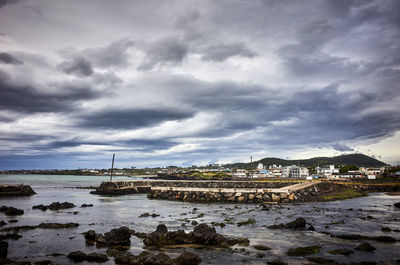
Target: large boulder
point(120, 236)
point(204, 234)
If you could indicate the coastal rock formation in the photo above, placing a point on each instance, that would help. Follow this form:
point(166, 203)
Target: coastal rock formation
point(202, 234)
point(11, 211)
point(16, 190)
point(119, 237)
point(54, 206)
point(79, 256)
point(146, 258)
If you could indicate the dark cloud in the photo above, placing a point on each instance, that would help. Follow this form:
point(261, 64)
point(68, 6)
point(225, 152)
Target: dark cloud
point(8, 58)
point(8, 2)
point(28, 99)
point(342, 147)
point(219, 53)
point(131, 118)
point(165, 51)
point(78, 65)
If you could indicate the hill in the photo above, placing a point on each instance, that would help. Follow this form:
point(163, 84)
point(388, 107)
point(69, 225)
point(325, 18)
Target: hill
point(359, 160)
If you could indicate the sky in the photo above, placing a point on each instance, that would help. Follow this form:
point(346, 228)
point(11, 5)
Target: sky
point(184, 82)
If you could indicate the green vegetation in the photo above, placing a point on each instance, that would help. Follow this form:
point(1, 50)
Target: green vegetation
point(347, 168)
point(343, 194)
point(250, 221)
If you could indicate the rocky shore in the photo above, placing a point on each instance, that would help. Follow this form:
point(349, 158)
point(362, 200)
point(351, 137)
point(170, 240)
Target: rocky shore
point(16, 190)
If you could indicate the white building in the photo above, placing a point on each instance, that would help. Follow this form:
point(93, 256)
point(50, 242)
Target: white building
point(327, 171)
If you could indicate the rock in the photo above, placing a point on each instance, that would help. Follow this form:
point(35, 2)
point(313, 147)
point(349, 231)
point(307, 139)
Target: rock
point(86, 205)
point(304, 251)
point(397, 204)
point(90, 235)
point(275, 198)
point(120, 236)
point(77, 256)
point(386, 229)
point(241, 199)
point(284, 195)
point(144, 215)
point(144, 258)
point(2, 223)
point(222, 225)
point(194, 222)
point(291, 197)
point(3, 249)
point(299, 224)
point(365, 247)
point(261, 247)
point(247, 222)
point(13, 221)
point(322, 260)
point(204, 234)
point(43, 262)
point(251, 196)
point(341, 251)
point(40, 207)
point(10, 236)
point(57, 225)
point(187, 258)
point(96, 257)
point(11, 211)
point(55, 206)
point(276, 262)
point(311, 228)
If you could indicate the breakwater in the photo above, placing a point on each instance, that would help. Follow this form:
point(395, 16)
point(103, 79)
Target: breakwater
point(241, 191)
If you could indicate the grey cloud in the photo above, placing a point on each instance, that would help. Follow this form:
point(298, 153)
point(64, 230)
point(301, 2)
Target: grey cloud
point(342, 147)
point(28, 99)
point(8, 2)
point(113, 55)
point(78, 65)
point(169, 50)
point(8, 58)
point(131, 118)
point(222, 52)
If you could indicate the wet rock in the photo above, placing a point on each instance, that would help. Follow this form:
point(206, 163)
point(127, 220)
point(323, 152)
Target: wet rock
point(276, 262)
point(13, 221)
point(322, 260)
point(304, 251)
point(187, 258)
point(86, 205)
point(144, 258)
point(299, 223)
point(397, 204)
point(261, 247)
point(120, 236)
point(144, 215)
point(90, 235)
point(365, 247)
point(341, 251)
point(194, 222)
point(250, 221)
point(40, 207)
point(222, 225)
point(11, 211)
point(202, 234)
point(55, 206)
point(10, 236)
point(2, 223)
point(3, 249)
point(96, 257)
point(43, 262)
point(57, 225)
point(361, 237)
point(311, 228)
point(386, 229)
point(77, 256)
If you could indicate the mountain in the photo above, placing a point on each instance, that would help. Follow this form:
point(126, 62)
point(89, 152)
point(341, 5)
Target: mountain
point(359, 160)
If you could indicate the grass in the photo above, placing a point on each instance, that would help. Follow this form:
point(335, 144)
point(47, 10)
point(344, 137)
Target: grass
point(343, 194)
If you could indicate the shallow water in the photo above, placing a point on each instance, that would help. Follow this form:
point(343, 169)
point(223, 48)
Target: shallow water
point(113, 212)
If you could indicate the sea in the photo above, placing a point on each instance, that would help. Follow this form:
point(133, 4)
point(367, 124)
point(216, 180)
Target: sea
point(365, 216)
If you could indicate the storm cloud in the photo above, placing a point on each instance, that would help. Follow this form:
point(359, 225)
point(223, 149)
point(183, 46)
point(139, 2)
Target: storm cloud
point(189, 82)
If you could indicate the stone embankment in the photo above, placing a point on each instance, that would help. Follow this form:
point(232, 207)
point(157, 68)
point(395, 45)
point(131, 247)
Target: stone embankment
point(240, 191)
point(16, 190)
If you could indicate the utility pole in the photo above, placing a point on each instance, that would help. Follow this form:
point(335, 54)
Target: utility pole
point(251, 166)
point(112, 167)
